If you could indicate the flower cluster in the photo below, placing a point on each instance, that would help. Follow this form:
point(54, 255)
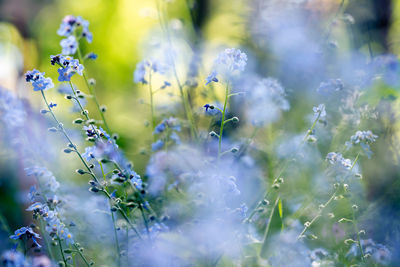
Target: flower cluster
point(169, 127)
point(68, 28)
point(37, 79)
point(364, 139)
point(337, 159)
point(147, 67)
point(68, 67)
point(48, 209)
point(228, 62)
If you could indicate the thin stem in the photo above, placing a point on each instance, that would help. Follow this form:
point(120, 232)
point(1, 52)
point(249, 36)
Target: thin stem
point(326, 204)
point(264, 246)
point(116, 240)
point(144, 220)
point(82, 256)
point(186, 107)
point(308, 225)
point(358, 236)
point(84, 162)
point(153, 120)
point(61, 250)
point(93, 93)
point(221, 131)
point(61, 127)
point(287, 161)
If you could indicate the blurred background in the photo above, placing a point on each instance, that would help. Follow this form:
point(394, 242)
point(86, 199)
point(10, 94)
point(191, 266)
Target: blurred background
point(282, 39)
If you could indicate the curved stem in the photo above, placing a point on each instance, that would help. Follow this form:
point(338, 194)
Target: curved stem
point(82, 256)
point(91, 91)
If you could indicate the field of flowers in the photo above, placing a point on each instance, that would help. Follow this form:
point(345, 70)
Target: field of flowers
point(242, 133)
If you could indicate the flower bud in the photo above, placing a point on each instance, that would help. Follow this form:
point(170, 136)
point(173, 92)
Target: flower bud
point(80, 171)
point(67, 150)
point(235, 119)
point(103, 108)
point(78, 121)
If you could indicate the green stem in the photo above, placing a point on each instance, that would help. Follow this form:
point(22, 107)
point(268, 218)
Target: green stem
point(93, 93)
point(221, 131)
point(116, 240)
point(82, 256)
point(153, 120)
point(84, 162)
point(358, 236)
point(264, 246)
point(61, 250)
point(326, 204)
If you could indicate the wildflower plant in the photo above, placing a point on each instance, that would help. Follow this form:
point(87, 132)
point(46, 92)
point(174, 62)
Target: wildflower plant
point(245, 167)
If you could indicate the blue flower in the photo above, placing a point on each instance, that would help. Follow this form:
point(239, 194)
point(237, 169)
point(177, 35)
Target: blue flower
point(32, 193)
point(232, 60)
point(13, 258)
point(140, 72)
point(70, 23)
point(157, 145)
point(91, 56)
point(228, 62)
point(69, 45)
point(38, 80)
point(364, 138)
point(28, 232)
point(35, 206)
point(52, 105)
point(212, 77)
point(319, 110)
point(66, 234)
point(175, 137)
point(89, 153)
point(160, 128)
point(68, 67)
point(243, 210)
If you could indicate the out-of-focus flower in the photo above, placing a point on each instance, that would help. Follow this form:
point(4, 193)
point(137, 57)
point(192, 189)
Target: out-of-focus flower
point(69, 45)
point(157, 145)
point(70, 23)
point(364, 139)
point(319, 112)
point(13, 258)
point(229, 62)
point(266, 100)
point(337, 159)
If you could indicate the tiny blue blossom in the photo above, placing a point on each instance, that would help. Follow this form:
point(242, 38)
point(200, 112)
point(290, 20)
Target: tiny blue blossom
point(157, 145)
point(140, 72)
point(319, 111)
point(212, 77)
point(69, 45)
point(91, 56)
